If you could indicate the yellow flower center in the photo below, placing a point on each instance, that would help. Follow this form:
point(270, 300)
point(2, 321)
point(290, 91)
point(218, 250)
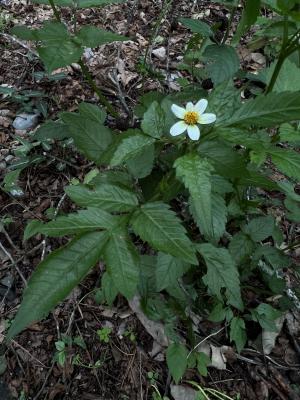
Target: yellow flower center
point(191, 117)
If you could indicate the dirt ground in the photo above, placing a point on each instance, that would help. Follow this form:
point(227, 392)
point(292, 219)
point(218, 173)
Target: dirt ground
point(127, 365)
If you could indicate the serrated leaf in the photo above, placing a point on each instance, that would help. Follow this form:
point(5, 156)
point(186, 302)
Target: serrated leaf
point(89, 136)
point(177, 360)
point(142, 165)
point(106, 196)
point(77, 223)
point(260, 228)
point(122, 262)
point(90, 36)
point(156, 224)
point(197, 26)
point(219, 216)
point(168, 270)
point(56, 276)
point(60, 55)
point(240, 247)
point(238, 333)
point(109, 288)
point(269, 110)
point(153, 123)
point(131, 147)
point(224, 62)
point(224, 100)
point(287, 161)
point(195, 173)
point(93, 112)
point(221, 273)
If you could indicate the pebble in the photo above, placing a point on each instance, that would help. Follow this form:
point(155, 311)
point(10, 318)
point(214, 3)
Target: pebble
point(2, 165)
point(26, 121)
point(9, 158)
point(160, 53)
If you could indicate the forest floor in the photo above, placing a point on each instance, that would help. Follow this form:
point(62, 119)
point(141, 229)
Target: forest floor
point(128, 364)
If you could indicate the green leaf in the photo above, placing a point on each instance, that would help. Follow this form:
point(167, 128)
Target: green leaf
point(249, 17)
point(287, 161)
point(197, 26)
point(90, 137)
point(224, 62)
point(131, 147)
point(289, 134)
point(60, 55)
point(284, 82)
point(269, 110)
point(217, 314)
point(109, 288)
point(23, 32)
point(51, 130)
point(142, 165)
point(219, 216)
point(90, 36)
point(106, 196)
point(77, 223)
point(260, 228)
point(168, 270)
point(266, 316)
point(122, 262)
point(221, 273)
point(240, 247)
point(153, 123)
point(238, 333)
point(177, 360)
point(93, 112)
point(56, 276)
point(224, 100)
point(195, 174)
point(156, 224)
point(203, 362)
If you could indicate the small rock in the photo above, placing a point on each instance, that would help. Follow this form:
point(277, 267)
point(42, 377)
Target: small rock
point(88, 54)
point(180, 392)
point(9, 158)
point(2, 165)
point(160, 53)
point(258, 58)
point(26, 121)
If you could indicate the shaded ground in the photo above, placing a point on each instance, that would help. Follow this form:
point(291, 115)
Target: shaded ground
point(118, 369)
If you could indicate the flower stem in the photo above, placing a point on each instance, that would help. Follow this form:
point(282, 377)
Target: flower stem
point(232, 13)
point(55, 10)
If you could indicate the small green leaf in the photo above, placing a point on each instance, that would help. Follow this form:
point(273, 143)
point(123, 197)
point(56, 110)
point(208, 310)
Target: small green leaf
point(156, 224)
point(217, 314)
point(153, 123)
point(202, 363)
point(260, 228)
point(142, 165)
point(238, 333)
point(240, 247)
point(105, 196)
point(197, 26)
point(109, 288)
point(51, 130)
point(168, 270)
point(177, 360)
point(221, 273)
point(266, 316)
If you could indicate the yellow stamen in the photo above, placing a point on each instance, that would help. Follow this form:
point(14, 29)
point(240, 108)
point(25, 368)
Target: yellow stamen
point(191, 117)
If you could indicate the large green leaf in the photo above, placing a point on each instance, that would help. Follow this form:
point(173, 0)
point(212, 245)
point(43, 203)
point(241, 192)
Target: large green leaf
point(177, 355)
point(284, 82)
point(60, 55)
point(90, 36)
point(270, 110)
point(106, 196)
point(168, 270)
point(56, 276)
point(77, 223)
point(90, 137)
point(195, 174)
point(221, 273)
point(122, 262)
point(224, 62)
point(249, 17)
point(287, 161)
point(197, 26)
point(156, 224)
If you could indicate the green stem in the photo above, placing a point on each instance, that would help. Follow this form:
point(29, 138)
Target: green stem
point(87, 75)
point(232, 13)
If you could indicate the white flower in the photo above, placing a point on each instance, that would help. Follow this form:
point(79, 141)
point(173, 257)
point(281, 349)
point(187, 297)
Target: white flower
point(191, 116)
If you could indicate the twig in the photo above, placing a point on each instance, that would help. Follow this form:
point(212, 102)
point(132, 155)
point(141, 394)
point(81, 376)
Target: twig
point(45, 382)
point(19, 42)
point(14, 263)
point(27, 352)
point(205, 339)
point(8, 238)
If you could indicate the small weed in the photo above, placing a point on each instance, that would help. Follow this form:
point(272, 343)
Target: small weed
point(104, 334)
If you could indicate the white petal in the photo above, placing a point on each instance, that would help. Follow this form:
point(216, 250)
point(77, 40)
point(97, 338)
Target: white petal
point(178, 111)
point(201, 106)
point(207, 118)
point(189, 106)
point(178, 128)
point(193, 132)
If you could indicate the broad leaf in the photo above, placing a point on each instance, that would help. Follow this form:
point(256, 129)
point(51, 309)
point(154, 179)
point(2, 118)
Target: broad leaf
point(142, 165)
point(106, 196)
point(260, 228)
point(77, 223)
point(195, 174)
point(92, 111)
point(224, 100)
point(156, 224)
point(221, 273)
point(90, 36)
point(109, 289)
point(56, 276)
point(168, 270)
point(219, 216)
point(197, 26)
point(60, 55)
point(284, 82)
point(270, 110)
point(240, 247)
point(287, 161)
point(238, 333)
point(51, 130)
point(224, 62)
point(122, 262)
point(90, 137)
point(153, 123)
point(177, 360)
